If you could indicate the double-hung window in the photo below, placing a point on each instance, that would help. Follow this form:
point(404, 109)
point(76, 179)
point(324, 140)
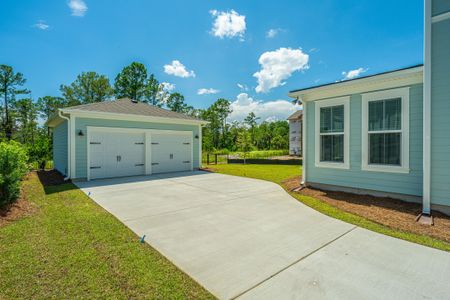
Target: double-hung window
point(332, 133)
point(385, 131)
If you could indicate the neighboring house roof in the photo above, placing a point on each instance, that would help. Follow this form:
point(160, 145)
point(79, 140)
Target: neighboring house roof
point(390, 79)
point(296, 116)
point(128, 107)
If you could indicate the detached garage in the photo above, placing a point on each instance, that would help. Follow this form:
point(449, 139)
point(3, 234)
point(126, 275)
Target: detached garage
point(123, 138)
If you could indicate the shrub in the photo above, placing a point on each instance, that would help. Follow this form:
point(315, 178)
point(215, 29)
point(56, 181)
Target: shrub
point(39, 153)
point(13, 167)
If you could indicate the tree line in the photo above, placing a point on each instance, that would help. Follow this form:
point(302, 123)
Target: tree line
point(22, 118)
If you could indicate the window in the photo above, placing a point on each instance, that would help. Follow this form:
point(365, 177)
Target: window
point(332, 138)
point(385, 131)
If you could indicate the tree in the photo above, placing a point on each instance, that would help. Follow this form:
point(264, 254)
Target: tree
point(25, 111)
point(48, 105)
point(251, 121)
point(175, 102)
point(244, 142)
point(155, 93)
point(9, 84)
point(132, 83)
point(221, 109)
point(89, 87)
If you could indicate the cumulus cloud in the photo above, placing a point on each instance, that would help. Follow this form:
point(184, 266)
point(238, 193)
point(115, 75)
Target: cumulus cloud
point(277, 66)
point(176, 68)
point(228, 24)
point(78, 7)
point(207, 91)
point(42, 25)
point(267, 111)
point(353, 73)
point(167, 86)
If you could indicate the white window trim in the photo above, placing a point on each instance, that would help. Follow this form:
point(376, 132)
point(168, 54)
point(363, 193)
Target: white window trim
point(326, 103)
point(402, 93)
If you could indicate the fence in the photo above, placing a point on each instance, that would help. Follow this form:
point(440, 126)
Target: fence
point(252, 157)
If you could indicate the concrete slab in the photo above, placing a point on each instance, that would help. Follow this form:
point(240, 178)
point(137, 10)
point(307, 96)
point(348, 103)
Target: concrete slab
point(241, 237)
point(363, 265)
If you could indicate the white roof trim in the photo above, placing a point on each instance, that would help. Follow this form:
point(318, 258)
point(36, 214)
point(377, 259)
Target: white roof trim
point(130, 117)
point(373, 83)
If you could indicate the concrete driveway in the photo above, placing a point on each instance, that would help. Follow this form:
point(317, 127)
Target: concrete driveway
point(247, 238)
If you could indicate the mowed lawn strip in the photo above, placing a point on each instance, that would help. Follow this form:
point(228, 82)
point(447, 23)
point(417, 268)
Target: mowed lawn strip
point(72, 248)
point(281, 173)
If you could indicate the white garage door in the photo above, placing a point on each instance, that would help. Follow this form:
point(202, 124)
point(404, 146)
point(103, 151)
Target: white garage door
point(113, 154)
point(171, 152)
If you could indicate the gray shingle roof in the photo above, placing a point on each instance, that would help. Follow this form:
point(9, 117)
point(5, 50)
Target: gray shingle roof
point(295, 116)
point(127, 106)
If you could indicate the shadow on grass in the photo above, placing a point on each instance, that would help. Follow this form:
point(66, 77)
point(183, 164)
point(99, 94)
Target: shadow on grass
point(53, 182)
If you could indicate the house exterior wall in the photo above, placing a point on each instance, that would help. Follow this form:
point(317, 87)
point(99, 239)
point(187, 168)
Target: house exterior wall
point(440, 107)
point(354, 177)
point(81, 141)
point(295, 137)
point(440, 7)
point(60, 157)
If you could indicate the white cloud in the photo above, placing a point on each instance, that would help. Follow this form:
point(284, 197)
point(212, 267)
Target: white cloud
point(176, 68)
point(353, 73)
point(207, 91)
point(167, 87)
point(243, 87)
point(42, 25)
point(267, 111)
point(78, 8)
point(271, 33)
point(279, 65)
point(228, 24)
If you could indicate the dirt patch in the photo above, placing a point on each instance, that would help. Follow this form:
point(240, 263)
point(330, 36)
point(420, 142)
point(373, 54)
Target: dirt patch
point(50, 177)
point(386, 211)
point(14, 211)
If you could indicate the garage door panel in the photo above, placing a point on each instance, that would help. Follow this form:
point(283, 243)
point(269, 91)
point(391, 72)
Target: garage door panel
point(171, 153)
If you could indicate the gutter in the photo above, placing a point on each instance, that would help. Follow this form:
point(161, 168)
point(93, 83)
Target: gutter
point(68, 143)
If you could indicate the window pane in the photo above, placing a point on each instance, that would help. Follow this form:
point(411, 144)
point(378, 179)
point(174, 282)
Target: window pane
point(337, 115)
point(385, 114)
point(325, 119)
point(375, 115)
point(384, 148)
point(392, 114)
point(332, 148)
point(332, 119)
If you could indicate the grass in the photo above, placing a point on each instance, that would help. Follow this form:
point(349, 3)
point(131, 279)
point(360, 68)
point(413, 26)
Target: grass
point(274, 173)
point(279, 173)
point(72, 248)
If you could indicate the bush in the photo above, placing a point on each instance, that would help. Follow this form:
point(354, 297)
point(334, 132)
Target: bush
point(13, 167)
point(39, 153)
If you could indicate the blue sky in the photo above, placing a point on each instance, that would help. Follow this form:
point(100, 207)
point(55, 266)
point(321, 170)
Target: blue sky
point(220, 44)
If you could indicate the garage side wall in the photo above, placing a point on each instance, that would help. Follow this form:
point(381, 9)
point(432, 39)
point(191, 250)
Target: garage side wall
point(81, 141)
point(60, 148)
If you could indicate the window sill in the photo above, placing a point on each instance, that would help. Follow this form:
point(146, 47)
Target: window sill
point(332, 165)
point(385, 169)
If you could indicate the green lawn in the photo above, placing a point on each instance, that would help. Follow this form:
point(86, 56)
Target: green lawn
point(72, 248)
point(275, 173)
point(278, 173)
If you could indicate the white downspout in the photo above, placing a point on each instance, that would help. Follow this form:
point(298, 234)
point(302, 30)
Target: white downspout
point(68, 143)
point(426, 206)
point(304, 135)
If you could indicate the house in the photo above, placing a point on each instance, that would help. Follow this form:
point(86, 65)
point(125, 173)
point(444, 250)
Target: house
point(123, 138)
point(295, 133)
point(386, 134)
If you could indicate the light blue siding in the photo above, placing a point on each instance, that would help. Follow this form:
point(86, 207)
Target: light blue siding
point(440, 6)
point(81, 146)
point(410, 184)
point(440, 111)
point(60, 147)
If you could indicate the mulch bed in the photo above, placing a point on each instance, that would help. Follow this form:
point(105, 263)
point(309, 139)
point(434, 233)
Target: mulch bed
point(50, 177)
point(14, 211)
point(386, 211)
